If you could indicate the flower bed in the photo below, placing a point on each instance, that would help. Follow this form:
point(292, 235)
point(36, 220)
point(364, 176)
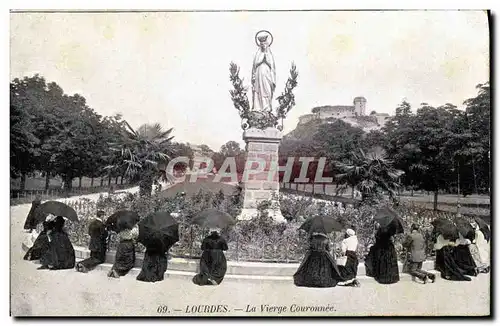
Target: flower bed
point(260, 239)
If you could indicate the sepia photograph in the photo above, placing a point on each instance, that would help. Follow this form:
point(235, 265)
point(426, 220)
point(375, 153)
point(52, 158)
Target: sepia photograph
point(250, 163)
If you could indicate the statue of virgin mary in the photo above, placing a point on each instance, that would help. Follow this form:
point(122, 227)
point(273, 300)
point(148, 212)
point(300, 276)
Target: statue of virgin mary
point(263, 73)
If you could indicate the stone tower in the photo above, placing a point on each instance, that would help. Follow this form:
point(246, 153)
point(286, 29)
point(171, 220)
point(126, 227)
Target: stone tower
point(360, 105)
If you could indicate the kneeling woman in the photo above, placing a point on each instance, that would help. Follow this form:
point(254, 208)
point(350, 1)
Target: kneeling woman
point(41, 244)
point(318, 269)
point(213, 264)
point(155, 262)
point(382, 262)
point(97, 245)
point(61, 254)
point(125, 253)
point(445, 260)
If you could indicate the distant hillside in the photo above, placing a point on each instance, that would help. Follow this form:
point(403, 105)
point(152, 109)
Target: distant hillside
point(306, 131)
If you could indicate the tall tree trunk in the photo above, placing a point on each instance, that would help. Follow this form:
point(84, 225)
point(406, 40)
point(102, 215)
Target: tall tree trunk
point(121, 180)
point(47, 181)
point(412, 191)
point(102, 181)
point(79, 182)
point(109, 179)
point(68, 183)
point(116, 180)
point(436, 200)
point(352, 192)
point(22, 186)
point(92, 181)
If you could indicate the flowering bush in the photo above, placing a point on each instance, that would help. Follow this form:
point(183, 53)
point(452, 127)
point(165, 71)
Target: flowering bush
point(262, 238)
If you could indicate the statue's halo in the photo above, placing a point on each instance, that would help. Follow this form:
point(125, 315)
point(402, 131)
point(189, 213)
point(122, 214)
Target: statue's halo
point(264, 33)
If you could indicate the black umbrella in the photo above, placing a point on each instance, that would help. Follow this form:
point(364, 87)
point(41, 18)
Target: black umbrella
point(213, 218)
point(55, 208)
point(321, 224)
point(446, 228)
point(388, 218)
point(122, 220)
point(158, 229)
point(465, 228)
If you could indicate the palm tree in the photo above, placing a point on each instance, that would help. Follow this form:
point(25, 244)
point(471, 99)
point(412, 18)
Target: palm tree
point(372, 174)
point(144, 154)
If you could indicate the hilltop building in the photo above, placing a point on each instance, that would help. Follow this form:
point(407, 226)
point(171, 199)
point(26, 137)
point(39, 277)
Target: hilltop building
point(353, 114)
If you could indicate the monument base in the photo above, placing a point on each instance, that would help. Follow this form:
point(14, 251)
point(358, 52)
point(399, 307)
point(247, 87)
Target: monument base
point(261, 184)
point(250, 213)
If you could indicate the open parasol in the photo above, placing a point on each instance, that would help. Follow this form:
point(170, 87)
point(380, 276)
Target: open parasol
point(446, 228)
point(122, 220)
point(388, 218)
point(158, 229)
point(321, 224)
point(55, 208)
point(213, 218)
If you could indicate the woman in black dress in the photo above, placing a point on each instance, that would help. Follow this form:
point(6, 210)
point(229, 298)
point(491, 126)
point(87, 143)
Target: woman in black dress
point(31, 222)
point(61, 254)
point(155, 262)
point(318, 269)
point(463, 257)
point(97, 245)
point(41, 244)
point(381, 263)
point(213, 264)
point(445, 260)
point(125, 253)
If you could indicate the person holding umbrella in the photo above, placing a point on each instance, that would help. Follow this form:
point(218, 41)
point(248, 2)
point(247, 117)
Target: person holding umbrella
point(61, 254)
point(381, 263)
point(213, 264)
point(123, 223)
point(318, 268)
point(97, 245)
point(158, 232)
point(447, 234)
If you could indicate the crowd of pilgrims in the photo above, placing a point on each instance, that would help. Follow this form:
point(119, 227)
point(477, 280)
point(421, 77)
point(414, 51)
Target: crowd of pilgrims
point(456, 259)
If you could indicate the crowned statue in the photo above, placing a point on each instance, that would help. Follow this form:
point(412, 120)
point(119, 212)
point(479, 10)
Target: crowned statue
point(263, 73)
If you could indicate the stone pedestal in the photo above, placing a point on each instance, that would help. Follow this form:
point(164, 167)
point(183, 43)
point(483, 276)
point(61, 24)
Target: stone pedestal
point(261, 177)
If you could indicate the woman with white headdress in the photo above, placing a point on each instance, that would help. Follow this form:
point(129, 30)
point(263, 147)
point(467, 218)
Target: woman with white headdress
point(480, 250)
point(350, 270)
point(213, 264)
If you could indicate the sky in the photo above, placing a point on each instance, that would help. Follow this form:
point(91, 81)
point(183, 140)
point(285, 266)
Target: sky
point(173, 67)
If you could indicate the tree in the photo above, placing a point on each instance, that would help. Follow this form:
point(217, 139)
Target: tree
point(336, 141)
point(374, 141)
point(143, 152)
point(429, 142)
point(371, 174)
point(230, 149)
point(478, 114)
